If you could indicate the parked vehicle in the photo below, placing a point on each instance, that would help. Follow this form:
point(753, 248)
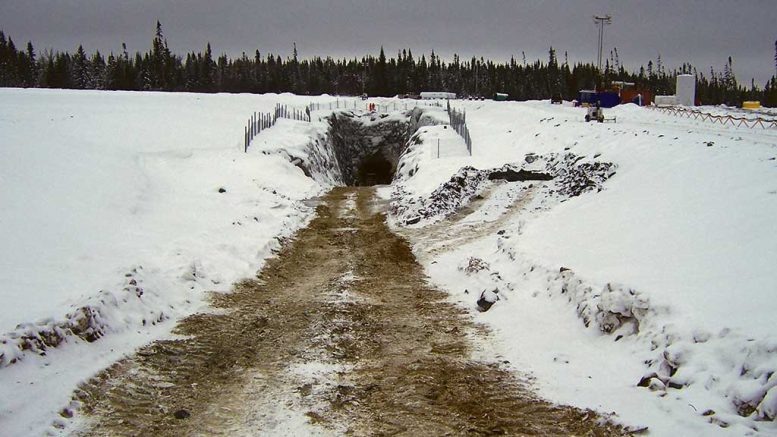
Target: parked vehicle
point(595, 113)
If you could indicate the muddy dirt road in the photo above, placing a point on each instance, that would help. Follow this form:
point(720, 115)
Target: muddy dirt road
point(339, 334)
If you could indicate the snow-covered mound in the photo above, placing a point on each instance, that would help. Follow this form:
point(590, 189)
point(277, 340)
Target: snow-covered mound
point(120, 213)
point(649, 295)
point(573, 176)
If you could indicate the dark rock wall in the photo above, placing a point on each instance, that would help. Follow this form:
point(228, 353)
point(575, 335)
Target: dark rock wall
point(367, 146)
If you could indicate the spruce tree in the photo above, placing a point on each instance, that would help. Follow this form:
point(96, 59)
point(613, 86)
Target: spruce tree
point(80, 70)
point(553, 75)
point(30, 76)
point(380, 72)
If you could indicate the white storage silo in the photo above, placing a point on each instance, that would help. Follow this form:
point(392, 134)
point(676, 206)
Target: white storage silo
point(686, 89)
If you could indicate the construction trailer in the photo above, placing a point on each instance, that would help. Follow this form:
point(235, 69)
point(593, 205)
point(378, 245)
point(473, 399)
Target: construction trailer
point(433, 95)
point(666, 100)
point(629, 94)
point(638, 97)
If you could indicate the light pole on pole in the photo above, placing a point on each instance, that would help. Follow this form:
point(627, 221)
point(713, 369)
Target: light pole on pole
point(600, 21)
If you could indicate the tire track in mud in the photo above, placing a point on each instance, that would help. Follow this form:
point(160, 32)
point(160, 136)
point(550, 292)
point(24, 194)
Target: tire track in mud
point(456, 230)
point(339, 334)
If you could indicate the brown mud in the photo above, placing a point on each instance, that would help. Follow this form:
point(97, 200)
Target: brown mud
point(339, 334)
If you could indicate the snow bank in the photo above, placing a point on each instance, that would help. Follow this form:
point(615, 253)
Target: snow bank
point(574, 175)
point(121, 212)
point(661, 280)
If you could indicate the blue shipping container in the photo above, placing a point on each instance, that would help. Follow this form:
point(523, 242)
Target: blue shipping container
point(605, 99)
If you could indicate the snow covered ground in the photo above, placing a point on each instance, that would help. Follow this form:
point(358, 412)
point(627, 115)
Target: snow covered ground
point(114, 225)
point(666, 271)
point(112, 217)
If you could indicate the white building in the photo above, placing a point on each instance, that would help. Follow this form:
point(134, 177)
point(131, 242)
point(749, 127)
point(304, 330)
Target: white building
point(686, 90)
point(426, 95)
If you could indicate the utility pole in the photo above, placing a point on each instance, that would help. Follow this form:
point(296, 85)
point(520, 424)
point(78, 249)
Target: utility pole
point(600, 21)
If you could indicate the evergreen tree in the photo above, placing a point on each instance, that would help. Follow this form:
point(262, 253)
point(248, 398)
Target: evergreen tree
point(207, 67)
point(80, 72)
point(159, 69)
point(8, 61)
point(97, 71)
point(770, 93)
point(31, 76)
point(381, 76)
point(554, 75)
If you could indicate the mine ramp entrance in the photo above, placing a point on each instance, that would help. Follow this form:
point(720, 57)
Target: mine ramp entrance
point(374, 170)
point(367, 147)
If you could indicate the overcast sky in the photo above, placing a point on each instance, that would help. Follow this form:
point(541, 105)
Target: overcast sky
point(704, 32)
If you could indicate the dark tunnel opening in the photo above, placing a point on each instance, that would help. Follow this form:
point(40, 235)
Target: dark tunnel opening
point(374, 170)
point(367, 148)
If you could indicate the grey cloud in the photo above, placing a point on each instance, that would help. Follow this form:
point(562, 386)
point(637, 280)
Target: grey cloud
point(704, 33)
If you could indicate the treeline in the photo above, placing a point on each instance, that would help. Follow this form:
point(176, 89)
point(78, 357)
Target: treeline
point(161, 70)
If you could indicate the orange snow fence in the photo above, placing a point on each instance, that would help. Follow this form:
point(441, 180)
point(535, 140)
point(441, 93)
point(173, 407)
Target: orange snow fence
point(764, 123)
